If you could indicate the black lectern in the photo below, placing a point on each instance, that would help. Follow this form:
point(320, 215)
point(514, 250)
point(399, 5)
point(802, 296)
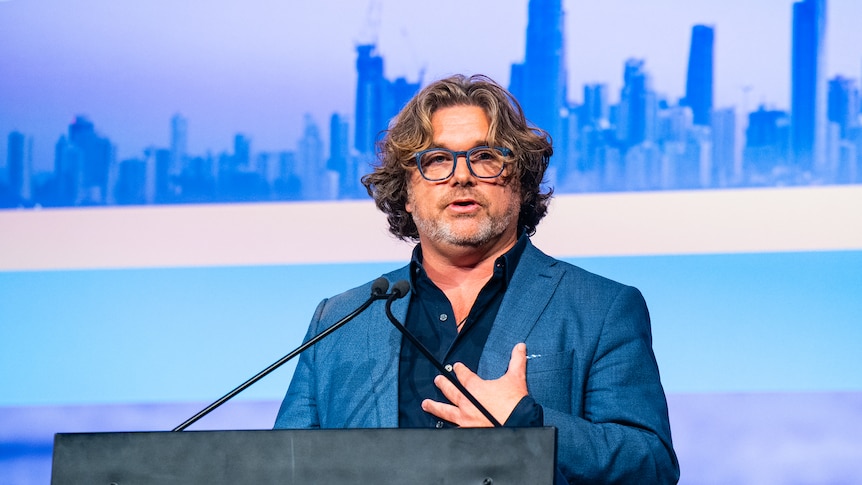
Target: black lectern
point(483, 456)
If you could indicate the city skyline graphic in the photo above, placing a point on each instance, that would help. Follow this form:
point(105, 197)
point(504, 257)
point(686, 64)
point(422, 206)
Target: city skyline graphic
point(632, 139)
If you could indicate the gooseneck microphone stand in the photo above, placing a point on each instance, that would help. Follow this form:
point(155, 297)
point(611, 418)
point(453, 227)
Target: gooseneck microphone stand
point(378, 292)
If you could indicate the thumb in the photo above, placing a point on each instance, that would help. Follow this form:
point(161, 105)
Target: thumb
point(518, 361)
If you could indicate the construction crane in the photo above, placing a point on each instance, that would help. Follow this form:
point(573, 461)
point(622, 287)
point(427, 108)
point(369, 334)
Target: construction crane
point(371, 29)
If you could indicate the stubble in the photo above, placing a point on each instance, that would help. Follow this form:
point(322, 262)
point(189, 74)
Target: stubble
point(486, 225)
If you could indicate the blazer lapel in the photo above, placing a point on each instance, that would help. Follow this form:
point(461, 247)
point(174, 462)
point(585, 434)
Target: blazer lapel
point(533, 283)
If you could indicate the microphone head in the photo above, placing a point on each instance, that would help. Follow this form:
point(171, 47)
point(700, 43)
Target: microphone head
point(380, 286)
point(400, 288)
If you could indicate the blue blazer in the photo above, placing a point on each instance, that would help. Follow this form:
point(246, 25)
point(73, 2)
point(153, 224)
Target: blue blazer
point(591, 367)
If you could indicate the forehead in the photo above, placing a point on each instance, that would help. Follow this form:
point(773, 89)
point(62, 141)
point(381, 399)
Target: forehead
point(459, 124)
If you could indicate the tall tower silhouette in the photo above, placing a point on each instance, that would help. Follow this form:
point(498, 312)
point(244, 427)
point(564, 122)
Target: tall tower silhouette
point(19, 162)
point(637, 109)
point(339, 155)
point(179, 143)
point(539, 82)
point(595, 110)
point(92, 168)
point(807, 86)
point(311, 165)
point(370, 87)
point(766, 144)
point(699, 81)
point(843, 140)
point(843, 105)
point(377, 98)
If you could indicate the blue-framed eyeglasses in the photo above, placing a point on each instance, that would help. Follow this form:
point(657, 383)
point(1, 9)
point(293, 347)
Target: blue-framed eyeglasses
point(484, 162)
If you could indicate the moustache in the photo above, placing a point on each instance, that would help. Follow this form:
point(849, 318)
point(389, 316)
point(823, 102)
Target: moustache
point(464, 193)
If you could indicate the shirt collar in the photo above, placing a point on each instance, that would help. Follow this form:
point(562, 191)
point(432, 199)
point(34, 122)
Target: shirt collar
point(508, 261)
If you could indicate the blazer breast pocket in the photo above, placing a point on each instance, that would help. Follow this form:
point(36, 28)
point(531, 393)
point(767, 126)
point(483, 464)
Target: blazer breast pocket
point(549, 378)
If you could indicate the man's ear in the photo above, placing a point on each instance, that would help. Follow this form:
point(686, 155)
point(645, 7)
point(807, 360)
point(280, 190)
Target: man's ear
point(407, 205)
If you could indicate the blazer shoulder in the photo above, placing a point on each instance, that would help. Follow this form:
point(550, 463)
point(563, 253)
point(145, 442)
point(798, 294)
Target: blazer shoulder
point(571, 275)
point(349, 299)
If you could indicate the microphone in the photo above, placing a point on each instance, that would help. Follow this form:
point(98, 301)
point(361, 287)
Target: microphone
point(399, 290)
point(379, 286)
point(379, 289)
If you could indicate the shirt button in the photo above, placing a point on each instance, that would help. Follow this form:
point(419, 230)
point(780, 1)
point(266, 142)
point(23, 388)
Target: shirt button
point(444, 317)
point(448, 367)
point(439, 425)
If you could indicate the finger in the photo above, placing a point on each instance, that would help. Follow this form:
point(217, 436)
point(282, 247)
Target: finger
point(448, 389)
point(464, 374)
point(446, 412)
point(518, 361)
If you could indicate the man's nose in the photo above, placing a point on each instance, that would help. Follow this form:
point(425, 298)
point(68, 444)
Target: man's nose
point(462, 170)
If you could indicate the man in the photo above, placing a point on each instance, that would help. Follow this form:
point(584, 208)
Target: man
point(461, 171)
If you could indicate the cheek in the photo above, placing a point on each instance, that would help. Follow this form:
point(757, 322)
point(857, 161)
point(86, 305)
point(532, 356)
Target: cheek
point(417, 195)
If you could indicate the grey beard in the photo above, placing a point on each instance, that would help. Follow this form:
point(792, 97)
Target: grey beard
point(489, 228)
point(443, 231)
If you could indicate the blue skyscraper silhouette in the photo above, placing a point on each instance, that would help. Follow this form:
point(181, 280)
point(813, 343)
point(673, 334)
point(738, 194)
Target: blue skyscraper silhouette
point(131, 182)
point(179, 143)
point(19, 149)
point(807, 86)
point(339, 155)
point(370, 87)
point(844, 134)
point(699, 81)
point(726, 171)
point(539, 83)
point(84, 165)
point(636, 118)
point(377, 98)
point(595, 110)
point(766, 145)
point(310, 162)
point(843, 104)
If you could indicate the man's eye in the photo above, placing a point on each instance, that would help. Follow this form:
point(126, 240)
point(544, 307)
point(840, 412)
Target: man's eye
point(434, 158)
point(483, 155)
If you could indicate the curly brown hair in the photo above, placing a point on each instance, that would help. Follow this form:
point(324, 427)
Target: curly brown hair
point(410, 132)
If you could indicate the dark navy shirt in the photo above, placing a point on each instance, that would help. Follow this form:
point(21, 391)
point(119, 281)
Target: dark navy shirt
point(431, 319)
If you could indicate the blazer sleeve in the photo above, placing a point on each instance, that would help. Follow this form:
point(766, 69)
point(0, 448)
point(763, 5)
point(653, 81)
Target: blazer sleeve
point(623, 433)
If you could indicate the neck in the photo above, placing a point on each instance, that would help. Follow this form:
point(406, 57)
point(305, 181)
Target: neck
point(462, 266)
point(459, 281)
point(462, 272)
